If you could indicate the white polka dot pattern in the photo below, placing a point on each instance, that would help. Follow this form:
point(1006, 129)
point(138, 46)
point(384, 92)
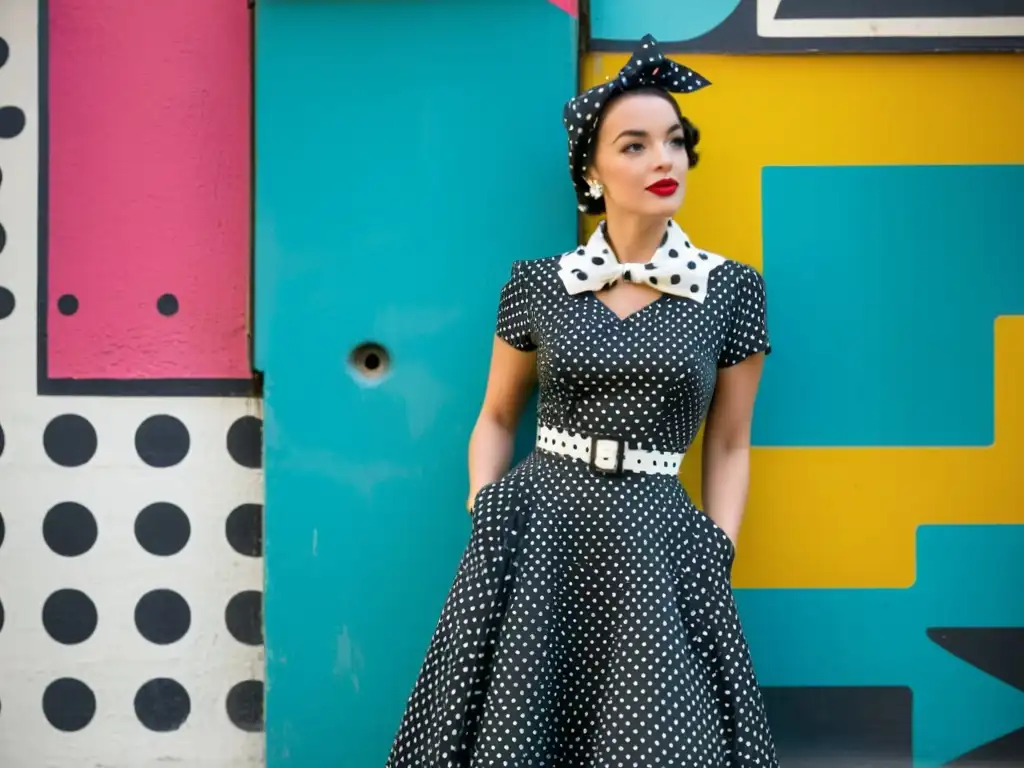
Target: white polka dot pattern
point(591, 623)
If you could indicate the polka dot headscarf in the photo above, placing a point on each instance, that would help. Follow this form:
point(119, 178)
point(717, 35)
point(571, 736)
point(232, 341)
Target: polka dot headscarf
point(647, 67)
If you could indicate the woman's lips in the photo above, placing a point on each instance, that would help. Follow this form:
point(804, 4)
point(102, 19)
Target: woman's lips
point(664, 188)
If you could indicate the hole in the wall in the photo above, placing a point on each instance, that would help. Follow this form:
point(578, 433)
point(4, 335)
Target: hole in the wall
point(370, 362)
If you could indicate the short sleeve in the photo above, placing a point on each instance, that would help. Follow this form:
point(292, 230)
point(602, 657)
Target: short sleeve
point(747, 330)
point(513, 324)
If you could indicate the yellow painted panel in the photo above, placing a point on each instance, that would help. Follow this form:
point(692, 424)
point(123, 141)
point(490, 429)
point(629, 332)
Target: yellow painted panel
point(846, 517)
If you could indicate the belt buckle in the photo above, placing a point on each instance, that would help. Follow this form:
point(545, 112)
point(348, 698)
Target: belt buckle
point(605, 462)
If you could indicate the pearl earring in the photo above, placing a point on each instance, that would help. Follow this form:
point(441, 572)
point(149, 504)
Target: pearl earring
point(596, 190)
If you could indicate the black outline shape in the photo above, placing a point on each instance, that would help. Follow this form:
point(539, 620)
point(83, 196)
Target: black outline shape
point(738, 34)
point(996, 651)
point(999, 653)
point(897, 9)
point(45, 385)
point(1007, 751)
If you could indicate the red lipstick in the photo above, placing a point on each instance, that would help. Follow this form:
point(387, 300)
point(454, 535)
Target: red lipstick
point(664, 187)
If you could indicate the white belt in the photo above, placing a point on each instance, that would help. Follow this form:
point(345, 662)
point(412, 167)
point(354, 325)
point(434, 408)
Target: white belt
point(607, 455)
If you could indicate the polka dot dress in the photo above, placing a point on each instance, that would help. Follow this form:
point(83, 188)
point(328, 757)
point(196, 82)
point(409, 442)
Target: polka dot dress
point(591, 623)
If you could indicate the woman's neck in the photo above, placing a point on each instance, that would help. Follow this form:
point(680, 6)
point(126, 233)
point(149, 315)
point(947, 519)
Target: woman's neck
point(634, 239)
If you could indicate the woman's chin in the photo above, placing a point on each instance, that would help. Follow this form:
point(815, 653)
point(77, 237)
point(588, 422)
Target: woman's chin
point(663, 206)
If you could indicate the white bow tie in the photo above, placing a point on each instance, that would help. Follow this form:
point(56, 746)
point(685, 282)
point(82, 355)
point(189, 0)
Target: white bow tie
point(677, 267)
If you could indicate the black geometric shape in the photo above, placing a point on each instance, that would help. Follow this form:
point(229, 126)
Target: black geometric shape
point(245, 442)
point(167, 305)
point(244, 529)
point(998, 651)
point(69, 529)
point(897, 9)
point(819, 726)
point(67, 304)
point(738, 33)
point(1007, 751)
point(12, 122)
point(1, 614)
point(69, 616)
point(162, 705)
point(162, 441)
point(3, 529)
point(3, 238)
point(5, 51)
point(6, 302)
point(244, 617)
point(69, 704)
point(69, 440)
point(162, 529)
point(245, 705)
point(162, 616)
point(1, 440)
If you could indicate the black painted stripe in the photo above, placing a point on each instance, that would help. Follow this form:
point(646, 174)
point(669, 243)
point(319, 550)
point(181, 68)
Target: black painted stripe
point(841, 726)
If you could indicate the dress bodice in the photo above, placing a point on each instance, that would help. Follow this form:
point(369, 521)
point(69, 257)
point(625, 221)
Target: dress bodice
point(647, 378)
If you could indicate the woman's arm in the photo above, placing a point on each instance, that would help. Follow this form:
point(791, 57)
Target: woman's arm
point(725, 466)
point(509, 383)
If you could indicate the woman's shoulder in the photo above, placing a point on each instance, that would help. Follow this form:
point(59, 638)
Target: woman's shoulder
point(535, 271)
point(736, 276)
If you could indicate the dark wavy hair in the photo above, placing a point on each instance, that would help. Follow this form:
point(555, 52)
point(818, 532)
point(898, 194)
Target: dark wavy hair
point(691, 137)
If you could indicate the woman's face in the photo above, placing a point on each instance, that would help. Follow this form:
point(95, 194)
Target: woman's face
point(640, 158)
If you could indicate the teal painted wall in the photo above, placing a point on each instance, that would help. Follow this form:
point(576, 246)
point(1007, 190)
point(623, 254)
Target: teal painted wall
point(407, 153)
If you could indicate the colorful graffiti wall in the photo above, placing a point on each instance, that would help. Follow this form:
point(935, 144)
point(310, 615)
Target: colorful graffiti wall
point(879, 565)
point(130, 457)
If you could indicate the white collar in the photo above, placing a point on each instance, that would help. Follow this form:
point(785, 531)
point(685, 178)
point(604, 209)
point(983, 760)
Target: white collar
point(677, 266)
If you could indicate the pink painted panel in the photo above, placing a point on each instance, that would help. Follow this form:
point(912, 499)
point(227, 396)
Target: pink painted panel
point(572, 7)
point(149, 176)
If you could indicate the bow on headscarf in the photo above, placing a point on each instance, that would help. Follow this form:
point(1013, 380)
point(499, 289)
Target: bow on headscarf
point(677, 267)
point(647, 67)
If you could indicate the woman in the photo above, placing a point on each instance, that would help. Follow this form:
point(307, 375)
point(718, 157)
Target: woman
point(591, 622)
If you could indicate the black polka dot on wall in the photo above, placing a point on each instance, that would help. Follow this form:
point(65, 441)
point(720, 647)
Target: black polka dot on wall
point(1, 439)
point(244, 529)
point(3, 529)
point(167, 305)
point(69, 529)
point(67, 304)
point(162, 441)
point(245, 442)
point(245, 705)
point(69, 704)
point(5, 51)
point(69, 440)
point(6, 302)
point(244, 617)
point(69, 616)
point(162, 529)
point(1, 614)
point(162, 705)
point(12, 122)
point(3, 238)
point(162, 616)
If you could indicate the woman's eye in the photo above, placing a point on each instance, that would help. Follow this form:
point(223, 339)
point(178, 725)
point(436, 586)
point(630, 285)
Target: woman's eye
point(679, 142)
point(633, 147)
